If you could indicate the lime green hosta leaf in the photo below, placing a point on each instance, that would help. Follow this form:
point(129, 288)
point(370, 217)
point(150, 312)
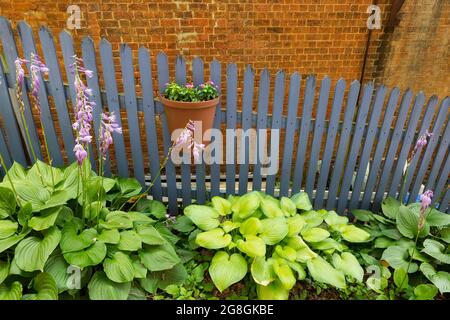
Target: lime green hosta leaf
point(253, 246)
point(332, 219)
point(17, 172)
point(304, 253)
point(213, 239)
point(246, 205)
point(286, 252)
point(425, 292)
point(102, 288)
point(301, 201)
point(117, 220)
point(226, 270)
point(315, 234)
point(436, 218)
point(12, 293)
point(271, 207)
point(45, 286)
point(329, 244)
point(222, 206)
point(391, 207)
point(58, 198)
point(354, 234)
point(295, 225)
point(262, 271)
point(204, 217)
point(349, 265)
point(228, 225)
point(440, 279)
point(109, 236)
point(46, 220)
point(383, 242)
point(312, 218)
point(401, 278)
point(24, 214)
point(251, 226)
point(90, 256)
point(273, 230)
point(140, 271)
point(322, 271)
point(159, 257)
point(11, 241)
point(445, 234)
point(119, 268)
point(273, 291)
point(129, 241)
point(398, 257)
point(7, 203)
point(93, 209)
point(4, 270)
point(72, 241)
point(285, 275)
point(436, 250)
point(51, 175)
point(288, 206)
point(32, 253)
point(149, 235)
point(297, 267)
point(7, 228)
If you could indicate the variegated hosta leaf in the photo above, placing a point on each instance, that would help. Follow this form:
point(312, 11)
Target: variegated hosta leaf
point(204, 217)
point(213, 239)
point(102, 288)
point(119, 268)
point(226, 270)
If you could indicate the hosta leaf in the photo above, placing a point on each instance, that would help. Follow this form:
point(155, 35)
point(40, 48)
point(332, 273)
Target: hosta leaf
point(398, 257)
point(91, 256)
point(273, 291)
point(12, 293)
point(301, 201)
point(440, 279)
point(119, 268)
point(436, 218)
point(445, 234)
point(273, 230)
point(17, 172)
point(51, 176)
point(102, 288)
point(162, 279)
point(46, 220)
point(226, 270)
point(363, 215)
point(262, 271)
point(4, 270)
point(58, 198)
point(72, 241)
point(390, 208)
point(286, 252)
point(288, 206)
point(436, 250)
point(24, 214)
point(129, 187)
point(246, 205)
point(222, 206)
point(228, 225)
point(332, 219)
point(285, 275)
point(93, 209)
point(297, 267)
point(304, 253)
point(32, 253)
point(425, 292)
point(251, 225)
point(183, 224)
point(58, 268)
point(33, 193)
point(312, 218)
point(140, 271)
point(7, 228)
point(152, 207)
point(117, 220)
point(253, 246)
point(204, 217)
point(315, 234)
point(45, 286)
point(149, 235)
point(271, 207)
point(160, 257)
point(166, 233)
point(349, 265)
point(408, 221)
point(354, 234)
point(322, 271)
point(213, 239)
point(109, 236)
point(9, 242)
point(129, 241)
point(329, 244)
point(7, 203)
point(295, 225)
point(401, 278)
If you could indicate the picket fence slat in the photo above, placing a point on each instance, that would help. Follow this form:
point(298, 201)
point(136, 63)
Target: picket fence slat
point(277, 113)
point(11, 54)
point(294, 94)
point(355, 146)
point(231, 122)
point(5, 154)
point(329, 142)
point(57, 91)
point(29, 47)
point(216, 77)
point(305, 124)
point(443, 180)
point(446, 201)
point(261, 126)
point(145, 71)
point(344, 139)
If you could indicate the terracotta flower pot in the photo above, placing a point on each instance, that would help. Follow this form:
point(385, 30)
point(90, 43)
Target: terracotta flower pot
point(180, 112)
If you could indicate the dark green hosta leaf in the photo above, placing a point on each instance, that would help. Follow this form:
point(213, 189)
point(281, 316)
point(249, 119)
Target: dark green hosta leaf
point(149, 235)
point(398, 257)
point(401, 278)
point(90, 256)
point(226, 270)
point(7, 228)
point(408, 221)
point(129, 241)
point(183, 224)
point(32, 252)
point(45, 220)
point(119, 268)
point(441, 279)
point(425, 292)
point(102, 288)
point(11, 293)
point(129, 187)
point(166, 233)
point(162, 279)
point(160, 257)
point(72, 240)
point(363, 215)
point(204, 217)
point(390, 207)
point(152, 207)
point(24, 214)
point(117, 220)
point(7, 203)
point(45, 286)
point(445, 234)
point(4, 270)
point(301, 201)
point(436, 250)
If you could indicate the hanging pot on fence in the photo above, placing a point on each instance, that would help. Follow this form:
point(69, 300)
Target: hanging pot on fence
point(180, 112)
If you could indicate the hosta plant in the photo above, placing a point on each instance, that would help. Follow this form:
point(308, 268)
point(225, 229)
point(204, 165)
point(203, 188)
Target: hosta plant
point(275, 242)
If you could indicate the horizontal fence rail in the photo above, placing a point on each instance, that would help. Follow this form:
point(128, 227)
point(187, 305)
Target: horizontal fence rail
point(345, 144)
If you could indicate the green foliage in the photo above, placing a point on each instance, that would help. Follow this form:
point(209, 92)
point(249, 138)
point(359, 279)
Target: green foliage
point(189, 93)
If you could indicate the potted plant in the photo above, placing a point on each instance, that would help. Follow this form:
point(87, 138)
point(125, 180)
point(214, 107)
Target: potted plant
point(188, 102)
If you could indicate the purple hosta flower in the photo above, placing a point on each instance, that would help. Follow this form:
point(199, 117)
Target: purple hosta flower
point(190, 85)
point(80, 153)
point(425, 202)
point(20, 77)
point(107, 127)
point(36, 67)
point(421, 142)
point(77, 67)
point(196, 151)
point(186, 138)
